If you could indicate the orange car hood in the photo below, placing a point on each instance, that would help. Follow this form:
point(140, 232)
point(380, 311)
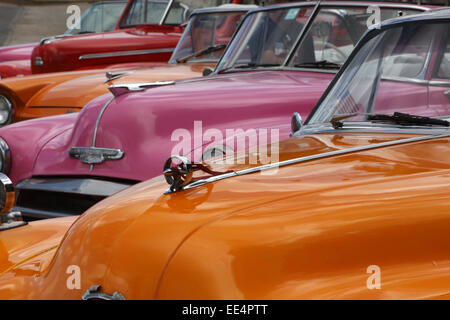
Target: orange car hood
point(308, 231)
point(68, 93)
point(44, 95)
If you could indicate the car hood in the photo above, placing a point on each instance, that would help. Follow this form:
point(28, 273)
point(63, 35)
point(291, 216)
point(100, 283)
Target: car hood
point(66, 93)
point(66, 53)
point(244, 100)
point(309, 230)
point(19, 52)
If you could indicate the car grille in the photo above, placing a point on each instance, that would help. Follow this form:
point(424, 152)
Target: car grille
point(41, 198)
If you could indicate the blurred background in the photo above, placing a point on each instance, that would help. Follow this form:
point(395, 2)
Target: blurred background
point(25, 21)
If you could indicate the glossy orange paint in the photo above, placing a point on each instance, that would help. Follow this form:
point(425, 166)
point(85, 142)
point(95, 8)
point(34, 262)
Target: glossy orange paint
point(303, 231)
point(65, 92)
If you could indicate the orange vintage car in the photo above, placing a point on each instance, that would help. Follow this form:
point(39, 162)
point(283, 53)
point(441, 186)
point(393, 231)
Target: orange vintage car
point(356, 207)
point(200, 48)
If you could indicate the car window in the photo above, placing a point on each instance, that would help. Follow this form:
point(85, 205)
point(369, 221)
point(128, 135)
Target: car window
point(205, 31)
point(365, 86)
point(410, 55)
point(146, 12)
point(444, 68)
point(335, 32)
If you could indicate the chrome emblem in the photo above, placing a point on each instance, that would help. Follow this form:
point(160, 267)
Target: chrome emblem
point(93, 155)
point(95, 293)
point(120, 89)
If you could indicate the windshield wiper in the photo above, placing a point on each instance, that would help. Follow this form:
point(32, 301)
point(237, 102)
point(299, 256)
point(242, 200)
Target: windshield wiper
point(407, 119)
point(250, 65)
point(85, 32)
point(397, 118)
point(323, 64)
point(202, 52)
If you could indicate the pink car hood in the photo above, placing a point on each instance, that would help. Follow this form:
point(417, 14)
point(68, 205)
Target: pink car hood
point(141, 124)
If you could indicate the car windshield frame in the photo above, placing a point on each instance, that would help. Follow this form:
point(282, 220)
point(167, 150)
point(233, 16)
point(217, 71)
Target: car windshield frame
point(123, 24)
point(376, 35)
point(225, 12)
point(163, 21)
point(317, 8)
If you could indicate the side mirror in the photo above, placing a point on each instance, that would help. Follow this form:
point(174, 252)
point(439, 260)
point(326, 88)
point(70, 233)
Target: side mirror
point(207, 71)
point(296, 123)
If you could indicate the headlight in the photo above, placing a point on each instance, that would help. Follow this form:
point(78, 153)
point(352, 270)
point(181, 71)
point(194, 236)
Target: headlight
point(5, 111)
point(5, 157)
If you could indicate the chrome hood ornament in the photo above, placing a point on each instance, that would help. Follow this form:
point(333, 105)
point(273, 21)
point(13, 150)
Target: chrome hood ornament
point(113, 76)
point(120, 89)
point(93, 155)
point(179, 172)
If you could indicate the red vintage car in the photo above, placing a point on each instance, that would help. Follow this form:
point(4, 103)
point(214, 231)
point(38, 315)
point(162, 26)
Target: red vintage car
point(149, 30)
point(101, 16)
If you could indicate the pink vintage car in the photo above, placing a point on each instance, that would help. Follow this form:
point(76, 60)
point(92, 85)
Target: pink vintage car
point(101, 16)
point(279, 62)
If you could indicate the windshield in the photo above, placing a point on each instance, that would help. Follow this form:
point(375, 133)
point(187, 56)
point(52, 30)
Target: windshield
point(164, 11)
point(270, 38)
point(100, 17)
point(211, 30)
point(395, 71)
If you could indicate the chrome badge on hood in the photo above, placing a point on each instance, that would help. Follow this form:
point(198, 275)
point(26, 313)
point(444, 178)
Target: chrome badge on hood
point(93, 155)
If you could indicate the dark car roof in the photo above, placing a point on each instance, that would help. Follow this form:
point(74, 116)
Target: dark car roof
point(436, 14)
point(345, 3)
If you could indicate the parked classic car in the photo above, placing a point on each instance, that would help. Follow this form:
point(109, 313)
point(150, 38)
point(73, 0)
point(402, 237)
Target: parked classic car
point(101, 16)
point(149, 30)
point(200, 47)
point(63, 165)
point(353, 193)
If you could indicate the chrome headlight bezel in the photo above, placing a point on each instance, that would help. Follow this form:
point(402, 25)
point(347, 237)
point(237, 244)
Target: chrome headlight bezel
point(5, 157)
point(10, 110)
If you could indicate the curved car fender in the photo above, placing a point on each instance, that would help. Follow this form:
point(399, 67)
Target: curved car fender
point(25, 140)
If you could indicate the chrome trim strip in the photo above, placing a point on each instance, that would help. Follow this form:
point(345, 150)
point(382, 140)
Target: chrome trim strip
point(125, 53)
point(309, 158)
point(439, 83)
point(97, 123)
point(120, 89)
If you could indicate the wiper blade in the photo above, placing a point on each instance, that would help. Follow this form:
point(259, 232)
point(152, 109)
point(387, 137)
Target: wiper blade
point(408, 119)
point(202, 52)
point(397, 118)
point(323, 64)
point(84, 32)
point(251, 65)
